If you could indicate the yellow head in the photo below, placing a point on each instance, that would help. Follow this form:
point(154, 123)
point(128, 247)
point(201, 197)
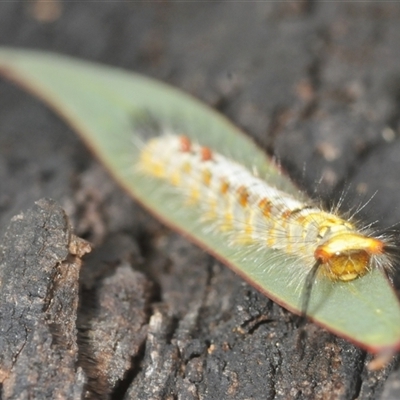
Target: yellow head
point(346, 255)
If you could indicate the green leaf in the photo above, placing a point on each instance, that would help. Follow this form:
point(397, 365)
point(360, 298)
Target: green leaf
point(105, 104)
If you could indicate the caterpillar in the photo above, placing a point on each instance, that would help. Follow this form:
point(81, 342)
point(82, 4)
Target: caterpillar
point(252, 212)
point(252, 215)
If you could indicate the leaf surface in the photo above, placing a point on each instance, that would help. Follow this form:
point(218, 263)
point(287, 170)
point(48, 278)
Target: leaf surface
point(104, 105)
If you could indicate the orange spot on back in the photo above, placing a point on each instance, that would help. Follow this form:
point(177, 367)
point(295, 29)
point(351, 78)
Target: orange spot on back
point(286, 214)
point(243, 196)
point(265, 207)
point(224, 186)
point(185, 144)
point(206, 154)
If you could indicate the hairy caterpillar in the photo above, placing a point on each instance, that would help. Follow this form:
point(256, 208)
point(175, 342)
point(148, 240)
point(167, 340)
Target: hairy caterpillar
point(252, 212)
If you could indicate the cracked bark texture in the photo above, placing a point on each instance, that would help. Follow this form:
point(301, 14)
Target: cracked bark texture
point(39, 270)
point(316, 84)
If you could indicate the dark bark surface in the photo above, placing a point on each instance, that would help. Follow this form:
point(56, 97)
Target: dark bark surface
point(316, 84)
point(39, 271)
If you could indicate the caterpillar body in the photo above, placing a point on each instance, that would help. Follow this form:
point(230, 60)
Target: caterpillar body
point(239, 202)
